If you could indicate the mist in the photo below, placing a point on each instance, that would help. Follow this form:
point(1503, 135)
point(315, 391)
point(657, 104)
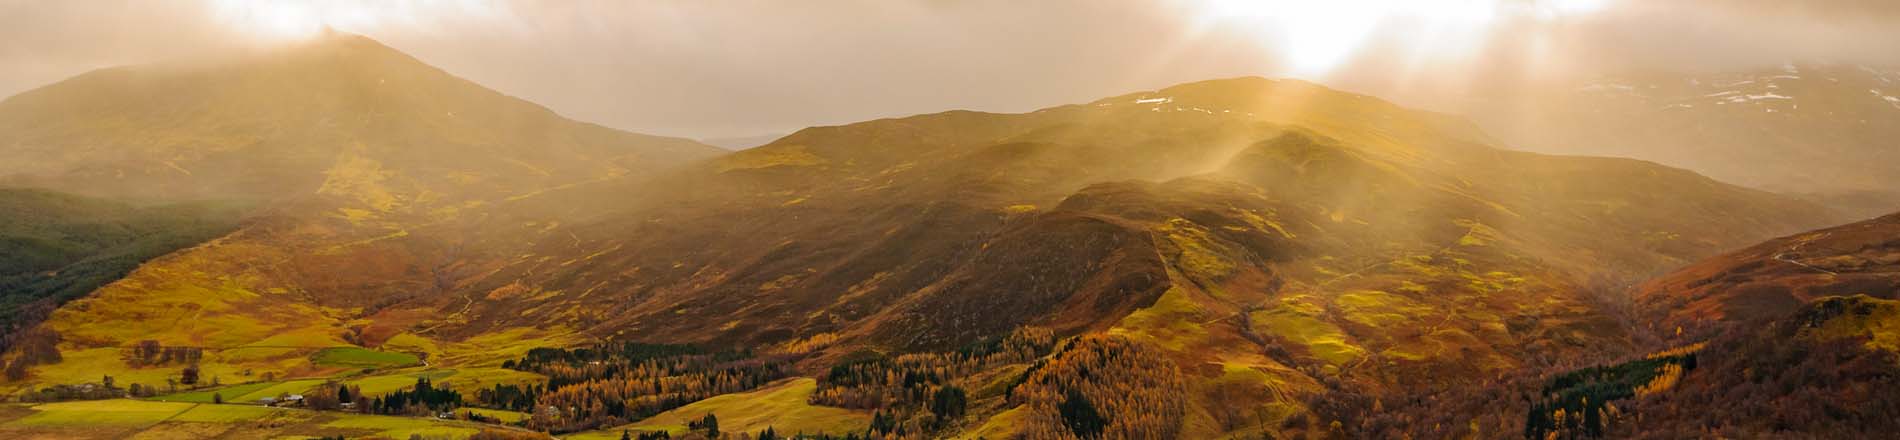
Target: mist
point(749, 68)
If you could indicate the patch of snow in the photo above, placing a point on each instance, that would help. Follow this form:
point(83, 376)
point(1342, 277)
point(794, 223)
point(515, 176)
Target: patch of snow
point(1602, 87)
point(1770, 95)
point(1154, 100)
point(1891, 100)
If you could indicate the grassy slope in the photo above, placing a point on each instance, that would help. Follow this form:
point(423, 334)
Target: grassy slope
point(57, 247)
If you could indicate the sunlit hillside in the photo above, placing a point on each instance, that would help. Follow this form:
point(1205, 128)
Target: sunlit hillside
point(1193, 219)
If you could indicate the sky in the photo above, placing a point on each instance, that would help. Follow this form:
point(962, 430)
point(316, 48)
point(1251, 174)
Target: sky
point(741, 68)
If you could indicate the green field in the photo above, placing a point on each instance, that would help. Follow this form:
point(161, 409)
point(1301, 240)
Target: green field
point(117, 412)
point(206, 396)
point(504, 416)
point(378, 385)
point(403, 427)
point(275, 388)
point(783, 406)
point(357, 357)
point(225, 413)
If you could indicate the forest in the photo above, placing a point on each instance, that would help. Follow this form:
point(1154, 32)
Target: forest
point(617, 383)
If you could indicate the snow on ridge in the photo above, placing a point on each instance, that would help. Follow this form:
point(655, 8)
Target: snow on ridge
point(1891, 100)
point(1161, 100)
point(1603, 87)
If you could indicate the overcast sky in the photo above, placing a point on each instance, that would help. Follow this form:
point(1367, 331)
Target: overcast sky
point(739, 68)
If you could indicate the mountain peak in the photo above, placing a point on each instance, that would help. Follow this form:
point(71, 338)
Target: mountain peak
point(271, 123)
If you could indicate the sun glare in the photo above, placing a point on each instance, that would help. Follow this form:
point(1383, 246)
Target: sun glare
point(1314, 37)
point(271, 21)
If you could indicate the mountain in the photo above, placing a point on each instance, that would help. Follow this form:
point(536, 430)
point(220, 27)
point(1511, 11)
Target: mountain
point(1231, 257)
point(1281, 239)
point(371, 175)
point(1766, 280)
point(338, 115)
point(1824, 130)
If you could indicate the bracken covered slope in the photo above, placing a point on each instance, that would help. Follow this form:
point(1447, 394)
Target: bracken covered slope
point(1769, 279)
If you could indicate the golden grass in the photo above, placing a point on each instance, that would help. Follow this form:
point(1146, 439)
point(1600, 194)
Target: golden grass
point(402, 427)
point(1298, 324)
point(1006, 424)
point(211, 395)
point(783, 406)
point(1172, 322)
point(115, 412)
point(767, 157)
point(286, 387)
point(209, 413)
point(504, 416)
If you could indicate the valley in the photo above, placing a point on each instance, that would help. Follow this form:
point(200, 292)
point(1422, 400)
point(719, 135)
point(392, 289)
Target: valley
point(337, 239)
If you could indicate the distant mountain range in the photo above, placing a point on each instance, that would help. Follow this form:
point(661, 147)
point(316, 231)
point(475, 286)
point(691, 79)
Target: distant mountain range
point(1248, 257)
point(741, 142)
point(1828, 131)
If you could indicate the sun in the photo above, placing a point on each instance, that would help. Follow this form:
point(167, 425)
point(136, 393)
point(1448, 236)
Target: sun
point(1314, 37)
point(279, 20)
point(272, 20)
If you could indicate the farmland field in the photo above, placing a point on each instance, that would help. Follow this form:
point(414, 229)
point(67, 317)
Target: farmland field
point(783, 406)
point(362, 358)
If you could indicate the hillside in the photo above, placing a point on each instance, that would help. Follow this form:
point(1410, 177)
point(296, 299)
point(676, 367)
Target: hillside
point(1794, 337)
point(372, 176)
point(1242, 256)
point(60, 246)
point(1767, 280)
point(1824, 369)
point(340, 114)
point(1270, 236)
point(1824, 130)
point(1818, 370)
